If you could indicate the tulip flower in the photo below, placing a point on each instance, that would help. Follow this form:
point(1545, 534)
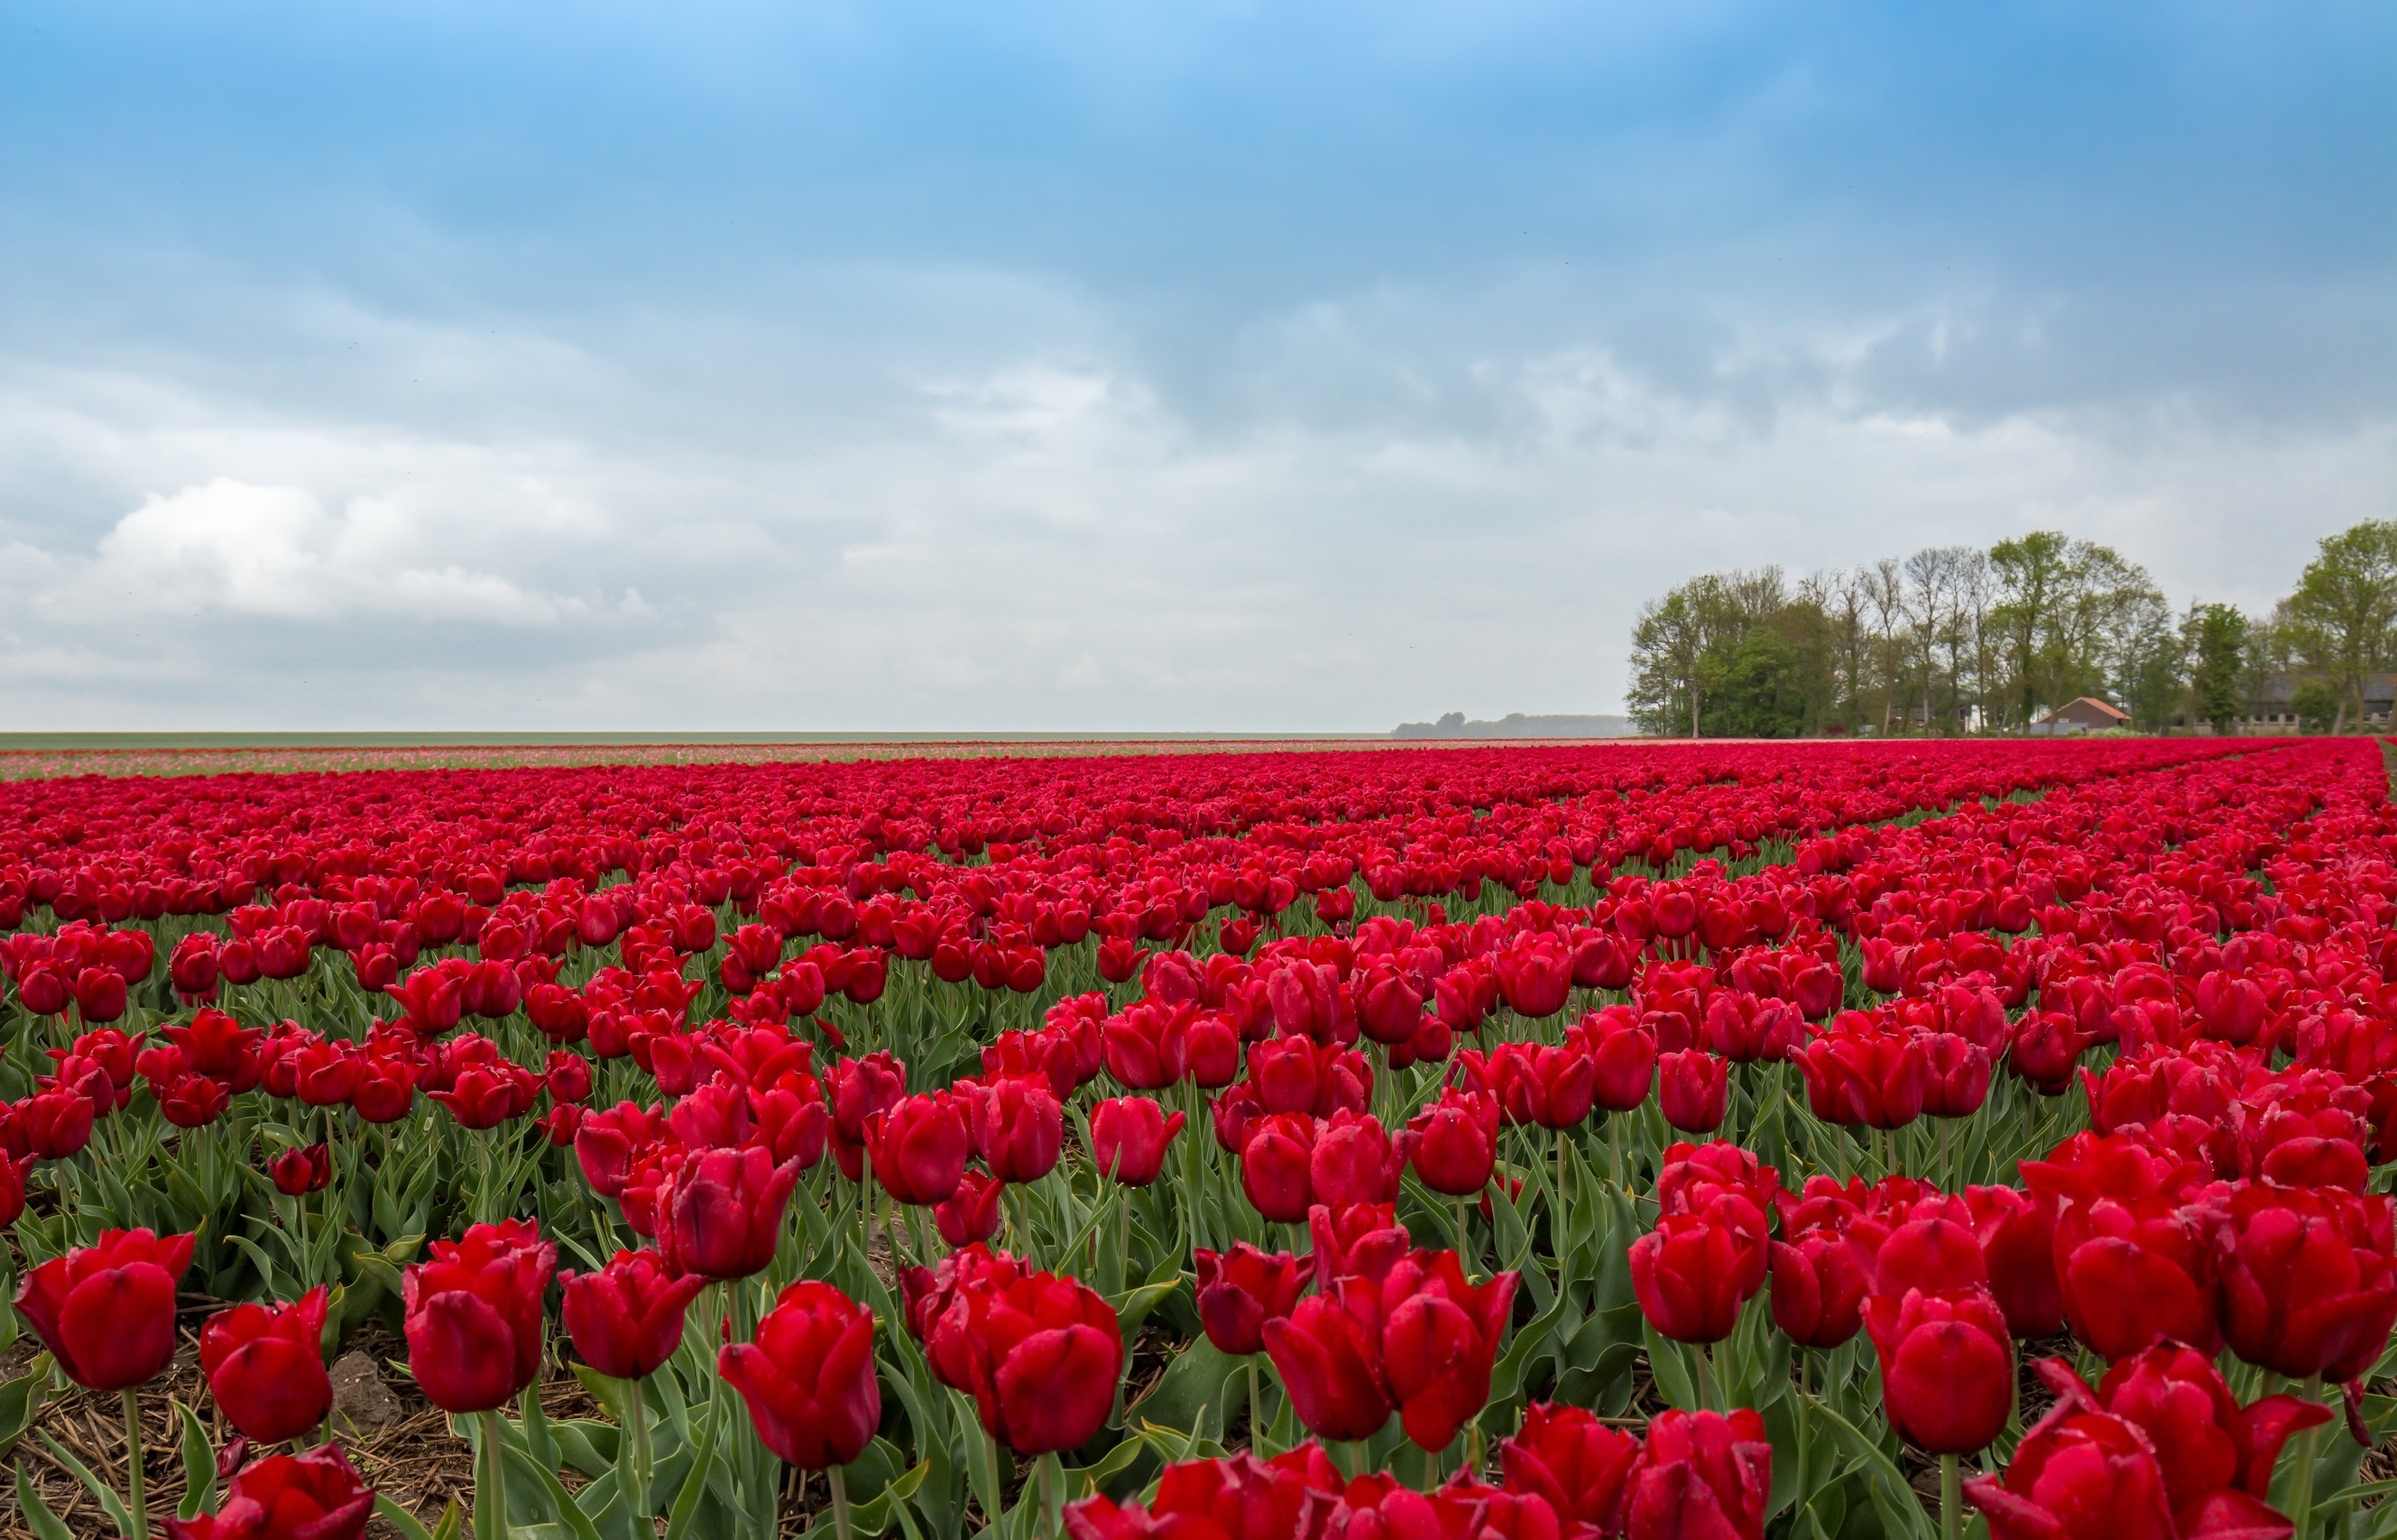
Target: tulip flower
point(723, 1212)
point(1014, 1124)
point(1819, 1283)
point(809, 1377)
point(1362, 1239)
point(791, 1119)
point(472, 1315)
point(1238, 1497)
point(1933, 1255)
point(301, 1170)
point(57, 1123)
point(1956, 1076)
point(2308, 1284)
point(862, 1087)
point(1689, 1276)
point(1580, 1465)
point(1946, 1367)
point(1241, 1289)
point(1702, 1475)
point(487, 1095)
point(265, 1366)
point(1353, 1161)
point(626, 1319)
point(605, 1142)
point(312, 1496)
point(972, 1213)
point(2134, 1274)
point(1693, 1090)
point(107, 1311)
point(2204, 1438)
point(2084, 1474)
point(1329, 1357)
point(1128, 1135)
point(12, 1185)
point(1534, 975)
point(2017, 1235)
point(1276, 1164)
point(1857, 1074)
point(1041, 1354)
point(1421, 1343)
point(191, 1101)
point(1455, 1143)
point(919, 1148)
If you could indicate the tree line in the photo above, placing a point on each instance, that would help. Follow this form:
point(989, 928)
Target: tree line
point(1954, 639)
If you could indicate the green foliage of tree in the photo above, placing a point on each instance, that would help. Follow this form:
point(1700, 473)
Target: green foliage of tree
point(2341, 621)
point(2217, 637)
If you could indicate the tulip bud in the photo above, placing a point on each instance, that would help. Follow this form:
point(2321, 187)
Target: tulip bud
point(265, 1366)
point(107, 1311)
point(809, 1377)
point(626, 1319)
point(1241, 1289)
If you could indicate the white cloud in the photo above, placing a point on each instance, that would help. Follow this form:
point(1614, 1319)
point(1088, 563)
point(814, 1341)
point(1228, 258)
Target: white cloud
point(234, 548)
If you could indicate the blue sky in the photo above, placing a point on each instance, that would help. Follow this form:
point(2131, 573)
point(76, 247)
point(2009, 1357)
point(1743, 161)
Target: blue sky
point(1130, 366)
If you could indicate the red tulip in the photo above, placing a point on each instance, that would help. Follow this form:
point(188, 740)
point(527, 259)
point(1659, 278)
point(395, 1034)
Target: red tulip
point(1014, 1124)
point(1946, 1367)
point(1238, 1497)
point(1934, 1254)
point(1534, 975)
point(1956, 1076)
point(2017, 1235)
point(1363, 1239)
point(2081, 1475)
point(1241, 1289)
point(1693, 1090)
point(487, 1095)
point(2204, 1439)
point(265, 1366)
point(1703, 1476)
point(1579, 1465)
point(605, 1142)
point(972, 1213)
point(1551, 1087)
point(55, 1123)
point(809, 1377)
point(1456, 1144)
point(191, 1101)
point(626, 1319)
point(2307, 1282)
point(1041, 1356)
point(385, 1089)
point(1329, 1357)
point(1818, 1288)
point(1354, 1160)
point(1276, 1165)
point(12, 1185)
point(919, 1148)
point(1128, 1135)
point(2134, 1274)
point(107, 1311)
point(863, 1087)
point(1690, 1273)
point(473, 1316)
point(311, 1496)
point(723, 1215)
point(1856, 1073)
point(300, 1171)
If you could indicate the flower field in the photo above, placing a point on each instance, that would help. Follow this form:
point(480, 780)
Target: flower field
point(1671, 1142)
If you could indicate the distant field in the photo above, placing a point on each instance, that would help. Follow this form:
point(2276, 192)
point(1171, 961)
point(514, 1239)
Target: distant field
point(42, 755)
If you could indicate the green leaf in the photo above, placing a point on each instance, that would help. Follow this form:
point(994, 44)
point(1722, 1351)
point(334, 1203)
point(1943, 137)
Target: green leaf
point(608, 1391)
point(1133, 1306)
point(694, 1481)
point(405, 1523)
point(21, 1398)
point(1669, 1365)
point(578, 1522)
point(1901, 1515)
point(39, 1517)
point(199, 1467)
point(109, 1502)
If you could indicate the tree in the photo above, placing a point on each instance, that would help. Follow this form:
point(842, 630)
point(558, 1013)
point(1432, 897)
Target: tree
point(2341, 621)
point(1669, 646)
point(2217, 639)
point(2073, 619)
point(2031, 572)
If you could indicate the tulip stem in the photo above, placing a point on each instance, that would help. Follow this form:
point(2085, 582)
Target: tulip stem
point(1052, 1505)
point(839, 1501)
point(1258, 1445)
point(1471, 1254)
point(636, 1428)
point(2301, 1485)
point(490, 1483)
point(137, 1508)
point(1952, 1498)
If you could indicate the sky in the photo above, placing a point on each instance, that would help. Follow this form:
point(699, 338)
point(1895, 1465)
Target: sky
point(1130, 366)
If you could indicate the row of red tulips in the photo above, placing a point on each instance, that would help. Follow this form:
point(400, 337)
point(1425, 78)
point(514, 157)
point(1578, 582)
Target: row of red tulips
point(2213, 932)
